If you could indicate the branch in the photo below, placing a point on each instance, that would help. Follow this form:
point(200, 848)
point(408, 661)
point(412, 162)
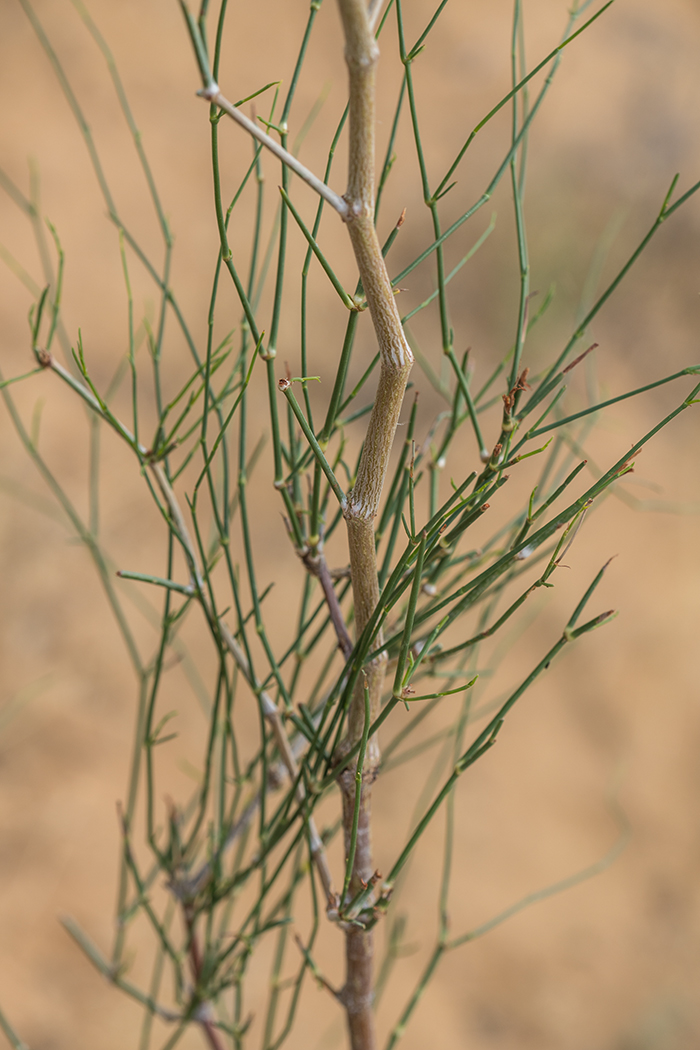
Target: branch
point(180, 524)
point(114, 975)
point(373, 12)
point(212, 93)
point(270, 709)
point(12, 1036)
point(272, 714)
point(361, 55)
point(316, 564)
point(196, 963)
point(191, 887)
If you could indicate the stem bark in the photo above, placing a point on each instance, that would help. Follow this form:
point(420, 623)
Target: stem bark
point(396, 359)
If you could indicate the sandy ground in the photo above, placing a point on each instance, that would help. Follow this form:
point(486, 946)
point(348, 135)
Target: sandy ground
point(612, 964)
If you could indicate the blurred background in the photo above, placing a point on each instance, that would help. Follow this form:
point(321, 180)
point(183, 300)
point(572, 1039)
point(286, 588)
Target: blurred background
point(613, 963)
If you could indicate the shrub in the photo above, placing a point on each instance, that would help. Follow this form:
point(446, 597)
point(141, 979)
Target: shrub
point(449, 539)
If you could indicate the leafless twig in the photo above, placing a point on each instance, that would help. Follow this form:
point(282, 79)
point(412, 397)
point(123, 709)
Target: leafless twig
point(316, 564)
point(212, 93)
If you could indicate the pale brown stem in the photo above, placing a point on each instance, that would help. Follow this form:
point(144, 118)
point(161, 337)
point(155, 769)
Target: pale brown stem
point(373, 12)
point(213, 94)
point(361, 55)
point(357, 994)
point(316, 564)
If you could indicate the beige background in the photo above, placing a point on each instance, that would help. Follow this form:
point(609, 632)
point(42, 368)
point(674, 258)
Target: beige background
point(613, 964)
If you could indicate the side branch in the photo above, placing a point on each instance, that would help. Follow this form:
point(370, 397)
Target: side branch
point(213, 94)
point(270, 709)
point(316, 564)
point(273, 716)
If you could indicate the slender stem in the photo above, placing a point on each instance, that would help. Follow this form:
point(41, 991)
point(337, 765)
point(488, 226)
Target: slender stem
point(12, 1036)
point(316, 563)
point(396, 359)
point(212, 94)
point(285, 387)
point(213, 1037)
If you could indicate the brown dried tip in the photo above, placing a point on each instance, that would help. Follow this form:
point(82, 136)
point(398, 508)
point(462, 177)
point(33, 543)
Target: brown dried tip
point(522, 383)
point(579, 359)
point(402, 216)
point(283, 384)
point(373, 879)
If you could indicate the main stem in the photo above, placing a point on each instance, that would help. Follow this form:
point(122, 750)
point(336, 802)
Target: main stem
point(361, 55)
